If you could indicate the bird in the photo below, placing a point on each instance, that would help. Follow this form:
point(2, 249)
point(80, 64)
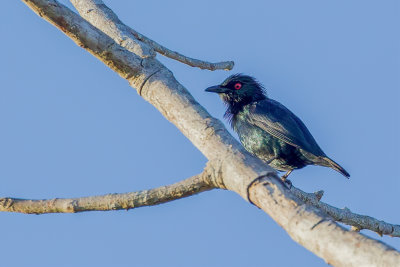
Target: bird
point(269, 130)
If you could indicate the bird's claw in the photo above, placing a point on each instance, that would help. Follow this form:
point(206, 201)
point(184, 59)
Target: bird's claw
point(287, 183)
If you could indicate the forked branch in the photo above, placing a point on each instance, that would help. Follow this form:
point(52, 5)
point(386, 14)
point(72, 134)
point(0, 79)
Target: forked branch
point(357, 221)
point(107, 21)
point(207, 180)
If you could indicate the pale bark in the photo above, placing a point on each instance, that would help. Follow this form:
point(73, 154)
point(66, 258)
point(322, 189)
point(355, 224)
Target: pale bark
point(237, 169)
point(356, 221)
point(107, 21)
point(205, 181)
point(124, 201)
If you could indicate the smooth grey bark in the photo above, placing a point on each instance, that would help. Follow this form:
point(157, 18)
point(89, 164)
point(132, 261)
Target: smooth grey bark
point(238, 170)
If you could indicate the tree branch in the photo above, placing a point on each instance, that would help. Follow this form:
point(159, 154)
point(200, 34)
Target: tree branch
point(107, 21)
point(191, 186)
point(96, 12)
point(316, 231)
point(357, 221)
point(224, 65)
point(306, 224)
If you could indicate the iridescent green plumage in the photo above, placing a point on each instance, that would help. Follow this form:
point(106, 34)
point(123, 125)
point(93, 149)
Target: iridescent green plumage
point(267, 129)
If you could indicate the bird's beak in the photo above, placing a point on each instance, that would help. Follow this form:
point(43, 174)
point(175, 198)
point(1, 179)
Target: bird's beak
point(216, 89)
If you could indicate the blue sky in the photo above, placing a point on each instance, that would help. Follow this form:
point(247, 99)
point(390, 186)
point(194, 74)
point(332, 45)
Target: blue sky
point(71, 127)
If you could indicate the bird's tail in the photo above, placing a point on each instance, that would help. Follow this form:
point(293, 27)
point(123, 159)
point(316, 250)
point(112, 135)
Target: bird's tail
point(332, 164)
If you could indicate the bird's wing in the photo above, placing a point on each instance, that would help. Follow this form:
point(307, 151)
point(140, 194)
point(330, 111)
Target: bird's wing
point(278, 121)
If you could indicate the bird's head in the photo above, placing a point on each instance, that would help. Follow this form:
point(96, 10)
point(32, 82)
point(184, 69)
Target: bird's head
point(239, 90)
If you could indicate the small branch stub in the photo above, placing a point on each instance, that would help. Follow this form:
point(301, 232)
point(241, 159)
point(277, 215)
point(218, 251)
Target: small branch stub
point(356, 221)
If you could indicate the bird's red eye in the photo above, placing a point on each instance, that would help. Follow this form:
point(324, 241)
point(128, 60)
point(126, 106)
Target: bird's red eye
point(238, 86)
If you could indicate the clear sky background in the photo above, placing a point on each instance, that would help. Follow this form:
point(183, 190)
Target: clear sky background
point(71, 127)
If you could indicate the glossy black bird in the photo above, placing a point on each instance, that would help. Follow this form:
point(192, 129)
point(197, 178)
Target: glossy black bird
point(267, 129)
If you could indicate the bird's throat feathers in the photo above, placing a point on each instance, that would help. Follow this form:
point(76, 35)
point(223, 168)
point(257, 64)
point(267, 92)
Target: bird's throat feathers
point(236, 105)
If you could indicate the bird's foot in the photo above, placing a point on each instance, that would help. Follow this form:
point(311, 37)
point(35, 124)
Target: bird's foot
point(287, 183)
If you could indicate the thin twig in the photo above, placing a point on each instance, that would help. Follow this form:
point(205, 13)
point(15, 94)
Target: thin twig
point(102, 17)
point(357, 221)
point(225, 65)
point(188, 187)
